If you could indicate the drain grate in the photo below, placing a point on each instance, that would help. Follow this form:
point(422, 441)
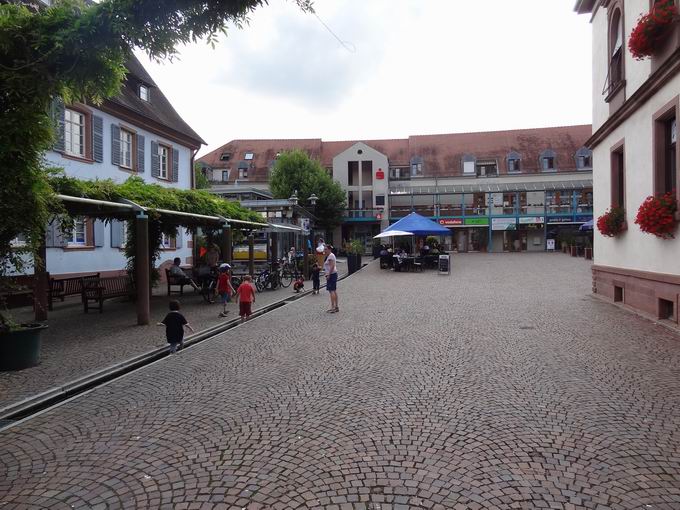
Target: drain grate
point(527, 327)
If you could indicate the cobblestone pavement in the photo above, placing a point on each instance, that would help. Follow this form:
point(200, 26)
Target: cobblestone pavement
point(503, 385)
point(77, 345)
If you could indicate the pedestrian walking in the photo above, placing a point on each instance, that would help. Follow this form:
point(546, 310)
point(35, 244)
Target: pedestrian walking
point(224, 287)
point(246, 298)
point(175, 323)
point(331, 271)
point(316, 277)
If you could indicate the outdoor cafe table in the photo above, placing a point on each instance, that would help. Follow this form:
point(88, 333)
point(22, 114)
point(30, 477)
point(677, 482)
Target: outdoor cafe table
point(405, 265)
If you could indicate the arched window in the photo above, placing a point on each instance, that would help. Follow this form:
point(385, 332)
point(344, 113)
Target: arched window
point(513, 161)
point(468, 161)
point(584, 159)
point(615, 74)
point(548, 160)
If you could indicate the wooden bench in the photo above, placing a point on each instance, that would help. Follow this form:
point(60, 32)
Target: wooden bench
point(178, 281)
point(62, 287)
point(99, 289)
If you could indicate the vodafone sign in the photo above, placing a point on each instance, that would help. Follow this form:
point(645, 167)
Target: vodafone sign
point(447, 222)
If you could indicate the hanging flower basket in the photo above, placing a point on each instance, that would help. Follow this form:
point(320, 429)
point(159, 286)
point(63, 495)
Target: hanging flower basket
point(612, 222)
point(657, 215)
point(651, 29)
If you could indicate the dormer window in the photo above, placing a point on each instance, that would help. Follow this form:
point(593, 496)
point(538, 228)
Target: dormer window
point(469, 164)
point(225, 156)
point(248, 156)
point(548, 161)
point(144, 93)
point(584, 159)
point(514, 163)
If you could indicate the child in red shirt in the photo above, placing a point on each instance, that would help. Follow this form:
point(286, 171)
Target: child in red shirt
point(246, 297)
point(224, 288)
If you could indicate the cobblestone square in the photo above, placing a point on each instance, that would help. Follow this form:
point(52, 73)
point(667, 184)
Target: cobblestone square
point(502, 385)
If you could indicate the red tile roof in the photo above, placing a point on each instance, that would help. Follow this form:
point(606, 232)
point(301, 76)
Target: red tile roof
point(441, 154)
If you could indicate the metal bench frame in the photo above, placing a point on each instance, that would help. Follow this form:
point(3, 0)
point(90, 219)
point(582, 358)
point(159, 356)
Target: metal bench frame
point(62, 287)
point(99, 289)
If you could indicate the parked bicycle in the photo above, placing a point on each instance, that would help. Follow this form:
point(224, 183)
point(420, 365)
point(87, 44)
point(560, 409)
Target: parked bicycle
point(273, 278)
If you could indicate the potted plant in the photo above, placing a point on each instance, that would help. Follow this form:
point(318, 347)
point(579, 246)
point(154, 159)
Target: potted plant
point(612, 222)
point(657, 215)
point(588, 250)
point(354, 250)
point(651, 29)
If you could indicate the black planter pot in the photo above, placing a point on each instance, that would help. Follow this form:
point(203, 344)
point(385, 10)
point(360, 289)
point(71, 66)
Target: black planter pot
point(21, 348)
point(353, 262)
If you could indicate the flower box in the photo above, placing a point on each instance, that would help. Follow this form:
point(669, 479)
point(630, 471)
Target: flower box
point(657, 215)
point(612, 222)
point(651, 29)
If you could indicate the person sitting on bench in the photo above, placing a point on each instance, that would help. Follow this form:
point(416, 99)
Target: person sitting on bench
point(179, 275)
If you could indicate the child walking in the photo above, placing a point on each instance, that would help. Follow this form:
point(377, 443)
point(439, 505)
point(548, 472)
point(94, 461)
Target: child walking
point(316, 275)
point(246, 297)
point(175, 323)
point(224, 287)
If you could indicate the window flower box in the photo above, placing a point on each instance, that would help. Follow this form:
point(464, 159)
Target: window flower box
point(651, 29)
point(612, 222)
point(657, 215)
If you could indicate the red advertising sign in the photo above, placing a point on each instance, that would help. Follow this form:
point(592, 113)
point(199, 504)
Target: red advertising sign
point(447, 222)
point(380, 174)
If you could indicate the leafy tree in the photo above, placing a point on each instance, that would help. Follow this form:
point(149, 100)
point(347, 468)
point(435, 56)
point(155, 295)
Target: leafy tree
point(77, 52)
point(200, 180)
point(296, 171)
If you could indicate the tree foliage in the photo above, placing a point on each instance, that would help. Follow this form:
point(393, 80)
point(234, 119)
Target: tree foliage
point(200, 180)
point(295, 171)
point(77, 52)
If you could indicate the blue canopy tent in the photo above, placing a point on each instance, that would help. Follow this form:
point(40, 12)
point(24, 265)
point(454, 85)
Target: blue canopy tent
point(588, 225)
point(418, 226)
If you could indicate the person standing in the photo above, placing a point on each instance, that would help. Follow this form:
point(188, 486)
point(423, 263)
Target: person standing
point(175, 323)
point(320, 249)
point(246, 298)
point(316, 274)
point(331, 271)
point(224, 287)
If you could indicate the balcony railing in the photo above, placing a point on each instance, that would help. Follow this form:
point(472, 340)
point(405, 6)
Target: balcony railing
point(363, 214)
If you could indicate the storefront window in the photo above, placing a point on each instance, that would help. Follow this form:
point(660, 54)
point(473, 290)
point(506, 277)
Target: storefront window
point(584, 201)
point(531, 202)
point(475, 204)
point(558, 202)
point(424, 204)
point(400, 205)
point(451, 205)
point(503, 203)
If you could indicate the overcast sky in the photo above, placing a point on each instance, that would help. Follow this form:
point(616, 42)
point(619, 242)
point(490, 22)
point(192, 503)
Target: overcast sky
point(407, 67)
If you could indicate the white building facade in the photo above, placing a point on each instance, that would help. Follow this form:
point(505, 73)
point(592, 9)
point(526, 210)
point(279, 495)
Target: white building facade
point(635, 107)
point(137, 133)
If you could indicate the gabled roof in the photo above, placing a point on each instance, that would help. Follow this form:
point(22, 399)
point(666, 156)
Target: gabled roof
point(158, 110)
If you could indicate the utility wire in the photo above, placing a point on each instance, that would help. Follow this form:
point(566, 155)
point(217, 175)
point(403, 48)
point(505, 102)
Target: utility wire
point(345, 44)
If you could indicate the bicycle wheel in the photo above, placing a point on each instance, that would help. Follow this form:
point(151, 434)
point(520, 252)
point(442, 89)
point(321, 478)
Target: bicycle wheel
point(235, 282)
point(286, 278)
point(260, 282)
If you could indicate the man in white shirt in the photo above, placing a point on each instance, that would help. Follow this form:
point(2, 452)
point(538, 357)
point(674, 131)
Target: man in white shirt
point(331, 272)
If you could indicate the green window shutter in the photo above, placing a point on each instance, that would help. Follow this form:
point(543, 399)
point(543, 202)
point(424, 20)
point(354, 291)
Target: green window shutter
point(175, 165)
point(97, 138)
point(155, 162)
point(115, 145)
point(140, 154)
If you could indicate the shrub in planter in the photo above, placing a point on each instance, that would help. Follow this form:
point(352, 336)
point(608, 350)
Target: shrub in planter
point(656, 215)
point(612, 222)
point(354, 250)
point(651, 29)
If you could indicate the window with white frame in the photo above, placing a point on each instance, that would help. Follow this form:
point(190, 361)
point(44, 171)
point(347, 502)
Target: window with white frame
point(18, 242)
point(167, 242)
point(514, 159)
point(416, 169)
point(163, 162)
point(225, 175)
point(126, 148)
point(248, 156)
point(469, 165)
point(584, 159)
point(74, 133)
point(548, 160)
point(78, 234)
point(242, 173)
point(144, 93)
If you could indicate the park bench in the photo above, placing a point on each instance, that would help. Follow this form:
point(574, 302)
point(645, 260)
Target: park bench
point(99, 289)
point(178, 281)
point(62, 287)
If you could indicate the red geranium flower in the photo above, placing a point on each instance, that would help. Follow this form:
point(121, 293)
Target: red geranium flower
point(657, 215)
point(611, 223)
point(651, 29)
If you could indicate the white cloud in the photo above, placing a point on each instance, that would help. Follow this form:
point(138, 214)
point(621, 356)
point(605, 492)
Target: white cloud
point(420, 66)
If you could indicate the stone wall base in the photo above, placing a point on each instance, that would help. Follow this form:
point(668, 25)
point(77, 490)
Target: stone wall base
point(656, 295)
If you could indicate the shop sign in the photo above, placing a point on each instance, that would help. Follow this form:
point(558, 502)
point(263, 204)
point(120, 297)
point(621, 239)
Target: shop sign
point(532, 219)
point(477, 221)
point(503, 224)
point(380, 175)
point(559, 219)
point(448, 222)
point(304, 223)
point(583, 219)
point(550, 244)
